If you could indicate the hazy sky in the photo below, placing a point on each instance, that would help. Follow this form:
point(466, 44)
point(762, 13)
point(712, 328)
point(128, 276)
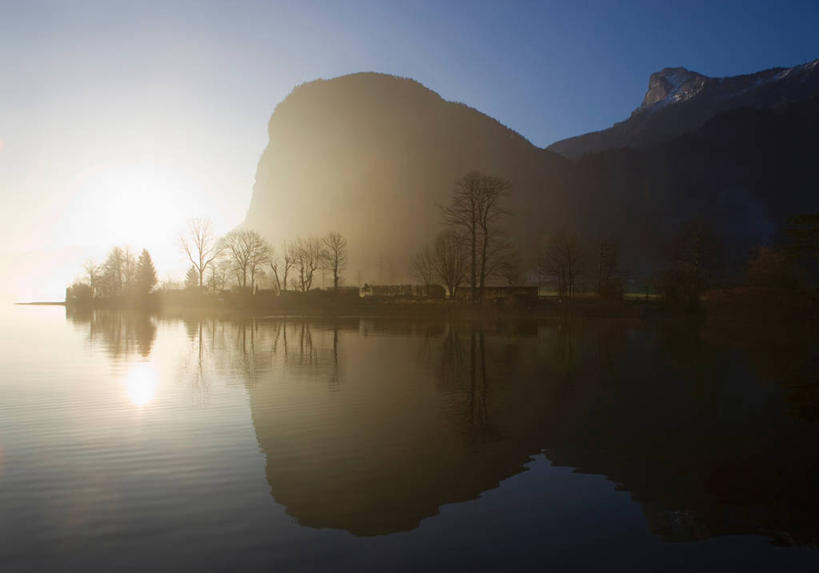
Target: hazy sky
point(120, 120)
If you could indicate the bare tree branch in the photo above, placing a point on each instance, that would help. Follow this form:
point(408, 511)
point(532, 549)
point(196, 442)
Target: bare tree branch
point(335, 250)
point(475, 212)
point(200, 245)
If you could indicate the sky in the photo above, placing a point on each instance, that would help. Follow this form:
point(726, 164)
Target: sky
point(119, 121)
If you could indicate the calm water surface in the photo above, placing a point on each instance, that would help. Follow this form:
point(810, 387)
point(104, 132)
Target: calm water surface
point(146, 443)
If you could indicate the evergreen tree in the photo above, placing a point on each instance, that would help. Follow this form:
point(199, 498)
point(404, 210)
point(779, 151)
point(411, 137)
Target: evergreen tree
point(192, 278)
point(145, 273)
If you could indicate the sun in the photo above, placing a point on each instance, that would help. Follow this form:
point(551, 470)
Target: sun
point(141, 384)
point(136, 204)
point(141, 199)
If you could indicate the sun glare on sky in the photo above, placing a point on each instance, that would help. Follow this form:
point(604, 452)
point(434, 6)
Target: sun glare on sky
point(135, 203)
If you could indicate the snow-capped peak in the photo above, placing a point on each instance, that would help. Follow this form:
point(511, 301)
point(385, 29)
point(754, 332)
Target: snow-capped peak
point(672, 85)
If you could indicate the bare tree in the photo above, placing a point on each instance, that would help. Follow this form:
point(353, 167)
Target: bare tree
point(92, 273)
point(560, 262)
point(221, 272)
point(112, 273)
point(335, 255)
point(236, 245)
point(502, 261)
point(475, 211)
point(696, 248)
point(283, 266)
point(129, 269)
point(248, 253)
point(200, 245)
point(422, 267)
point(218, 276)
point(694, 254)
point(608, 269)
point(308, 256)
point(261, 254)
point(450, 254)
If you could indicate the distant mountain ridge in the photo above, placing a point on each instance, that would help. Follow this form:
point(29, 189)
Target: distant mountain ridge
point(680, 101)
point(374, 156)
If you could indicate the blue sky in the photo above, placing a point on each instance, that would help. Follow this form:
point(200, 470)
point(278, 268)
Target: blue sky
point(547, 69)
point(104, 103)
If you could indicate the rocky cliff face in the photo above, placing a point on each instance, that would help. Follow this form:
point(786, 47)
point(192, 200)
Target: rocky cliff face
point(673, 85)
point(680, 101)
point(372, 156)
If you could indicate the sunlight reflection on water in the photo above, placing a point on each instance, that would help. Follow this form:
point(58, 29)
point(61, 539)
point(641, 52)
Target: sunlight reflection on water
point(201, 444)
point(141, 384)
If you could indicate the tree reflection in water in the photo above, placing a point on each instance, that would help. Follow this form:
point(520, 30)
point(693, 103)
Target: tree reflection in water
point(371, 426)
point(121, 333)
point(433, 414)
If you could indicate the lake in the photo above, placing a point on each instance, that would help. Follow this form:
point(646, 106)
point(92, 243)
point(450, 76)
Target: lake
point(140, 442)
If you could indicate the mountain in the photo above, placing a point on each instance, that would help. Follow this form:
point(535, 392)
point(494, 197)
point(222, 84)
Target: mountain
point(392, 451)
point(745, 172)
point(679, 101)
point(386, 457)
point(373, 155)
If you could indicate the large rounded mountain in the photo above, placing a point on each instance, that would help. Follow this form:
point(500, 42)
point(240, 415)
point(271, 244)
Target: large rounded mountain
point(373, 156)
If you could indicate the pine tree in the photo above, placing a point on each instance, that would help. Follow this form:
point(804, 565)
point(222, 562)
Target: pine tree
point(145, 273)
point(192, 278)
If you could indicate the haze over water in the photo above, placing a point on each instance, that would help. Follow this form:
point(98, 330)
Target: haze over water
point(174, 444)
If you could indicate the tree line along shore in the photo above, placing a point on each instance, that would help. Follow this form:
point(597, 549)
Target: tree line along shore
point(470, 263)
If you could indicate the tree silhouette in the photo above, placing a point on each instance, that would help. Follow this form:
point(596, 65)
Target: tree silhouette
point(608, 271)
point(283, 266)
point(192, 277)
point(129, 268)
point(451, 260)
point(335, 255)
point(423, 267)
point(694, 252)
point(92, 274)
point(476, 211)
point(113, 270)
point(261, 253)
point(218, 275)
point(560, 262)
point(308, 256)
point(200, 245)
point(145, 273)
point(248, 253)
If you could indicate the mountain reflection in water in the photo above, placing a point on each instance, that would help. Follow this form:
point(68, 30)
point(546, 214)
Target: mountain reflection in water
point(370, 426)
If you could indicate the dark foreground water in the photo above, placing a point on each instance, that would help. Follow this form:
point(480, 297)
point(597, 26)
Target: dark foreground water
point(142, 443)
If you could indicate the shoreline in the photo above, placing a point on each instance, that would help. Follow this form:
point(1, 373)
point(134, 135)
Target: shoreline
point(731, 305)
point(321, 307)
